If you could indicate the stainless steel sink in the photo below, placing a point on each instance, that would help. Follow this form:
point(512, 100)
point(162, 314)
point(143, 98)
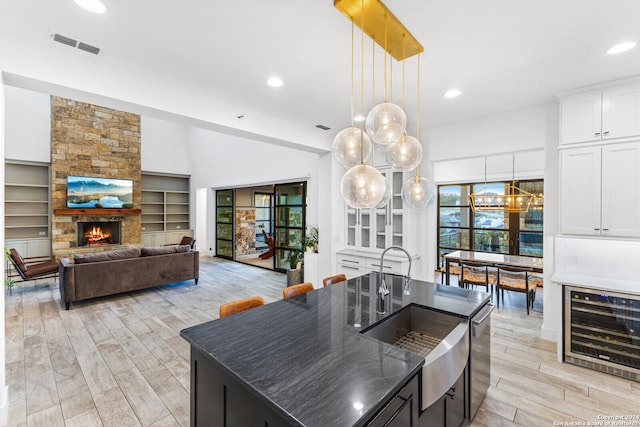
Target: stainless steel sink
point(442, 339)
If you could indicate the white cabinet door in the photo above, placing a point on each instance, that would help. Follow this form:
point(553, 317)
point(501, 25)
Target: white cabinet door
point(581, 118)
point(580, 191)
point(621, 190)
point(621, 113)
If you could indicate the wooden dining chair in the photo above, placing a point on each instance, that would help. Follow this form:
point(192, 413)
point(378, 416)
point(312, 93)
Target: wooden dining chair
point(477, 274)
point(299, 289)
point(334, 279)
point(517, 280)
point(234, 307)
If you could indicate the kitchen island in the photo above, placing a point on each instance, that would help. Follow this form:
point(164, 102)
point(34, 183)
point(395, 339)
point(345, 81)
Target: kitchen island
point(303, 361)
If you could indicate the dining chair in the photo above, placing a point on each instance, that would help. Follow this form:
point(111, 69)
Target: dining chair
point(517, 280)
point(299, 289)
point(237, 306)
point(334, 279)
point(477, 274)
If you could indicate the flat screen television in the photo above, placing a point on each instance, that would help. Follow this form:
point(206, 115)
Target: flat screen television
point(105, 193)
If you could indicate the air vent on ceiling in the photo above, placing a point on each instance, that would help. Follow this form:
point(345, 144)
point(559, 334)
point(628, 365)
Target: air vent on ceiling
point(74, 43)
point(65, 40)
point(323, 127)
point(88, 48)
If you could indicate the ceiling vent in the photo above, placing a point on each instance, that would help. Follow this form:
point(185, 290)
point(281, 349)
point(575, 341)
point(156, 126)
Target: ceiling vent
point(88, 48)
point(75, 44)
point(65, 40)
point(323, 127)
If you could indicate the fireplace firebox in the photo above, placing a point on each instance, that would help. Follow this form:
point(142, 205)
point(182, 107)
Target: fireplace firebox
point(98, 233)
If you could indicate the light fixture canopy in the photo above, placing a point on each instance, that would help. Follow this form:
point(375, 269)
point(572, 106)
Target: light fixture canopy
point(93, 6)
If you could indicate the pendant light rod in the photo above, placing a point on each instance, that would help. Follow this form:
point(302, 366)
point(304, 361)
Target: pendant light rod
point(362, 85)
point(418, 116)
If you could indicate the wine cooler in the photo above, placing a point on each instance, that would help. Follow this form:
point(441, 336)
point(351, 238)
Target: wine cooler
point(602, 331)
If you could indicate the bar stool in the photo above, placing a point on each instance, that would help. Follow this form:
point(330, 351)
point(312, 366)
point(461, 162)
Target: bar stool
point(234, 307)
point(299, 289)
point(334, 279)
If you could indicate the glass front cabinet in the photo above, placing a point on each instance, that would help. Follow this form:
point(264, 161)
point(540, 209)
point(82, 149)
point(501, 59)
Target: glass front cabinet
point(380, 227)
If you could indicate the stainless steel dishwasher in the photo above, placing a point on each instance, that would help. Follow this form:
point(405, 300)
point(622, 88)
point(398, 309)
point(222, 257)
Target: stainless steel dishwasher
point(479, 371)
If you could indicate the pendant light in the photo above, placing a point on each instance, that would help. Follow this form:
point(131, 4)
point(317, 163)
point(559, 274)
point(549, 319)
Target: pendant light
point(347, 143)
point(405, 153)
point(362, 186)
point(418, 192)
point(386, 122)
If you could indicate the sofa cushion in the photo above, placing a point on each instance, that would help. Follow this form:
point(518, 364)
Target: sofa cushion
point(106, 255)
point(163, 250)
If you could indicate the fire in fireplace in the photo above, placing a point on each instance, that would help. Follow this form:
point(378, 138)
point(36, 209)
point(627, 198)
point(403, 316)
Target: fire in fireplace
point(98, 233)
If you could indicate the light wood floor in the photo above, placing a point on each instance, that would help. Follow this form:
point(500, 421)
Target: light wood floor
point(119, 361)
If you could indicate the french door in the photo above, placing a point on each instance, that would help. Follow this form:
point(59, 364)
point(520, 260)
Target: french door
point(290, 221)
point(225, 220)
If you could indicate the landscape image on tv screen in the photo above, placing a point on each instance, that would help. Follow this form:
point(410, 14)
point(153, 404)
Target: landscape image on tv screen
point(88, 192)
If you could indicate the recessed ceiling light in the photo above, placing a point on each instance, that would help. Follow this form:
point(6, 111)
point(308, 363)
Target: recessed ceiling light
point(358, 118)
point(93, 6)
point(621, 47)
point(452, 93)
point(275, 82)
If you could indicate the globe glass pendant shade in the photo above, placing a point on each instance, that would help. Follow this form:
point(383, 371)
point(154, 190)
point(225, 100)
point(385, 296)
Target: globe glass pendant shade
point(418, 192)
point(362, 186)
point(405, 154)
point(386, 123)
point(347, 147)
point(385, 199)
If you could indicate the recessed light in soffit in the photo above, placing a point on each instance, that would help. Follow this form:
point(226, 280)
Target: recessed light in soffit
point(93, 6)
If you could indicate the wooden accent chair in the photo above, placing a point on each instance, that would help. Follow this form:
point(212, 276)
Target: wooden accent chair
point(517, 280)
point(270, 242)
point(33, 268)
point(234, 307)
point(299, 289)
point(327, 281)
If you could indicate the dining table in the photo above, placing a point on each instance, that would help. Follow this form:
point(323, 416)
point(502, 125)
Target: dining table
point(492, 259)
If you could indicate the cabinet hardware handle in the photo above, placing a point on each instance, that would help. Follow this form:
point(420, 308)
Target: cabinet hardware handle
point(596, 134)
point(605, 229)
point(606, 132)
point(350, 260)
point(348, 267)
point(596, 229)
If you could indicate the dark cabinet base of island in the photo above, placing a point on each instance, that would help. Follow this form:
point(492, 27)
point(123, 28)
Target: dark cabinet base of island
point(218, 399)
point(449, 410)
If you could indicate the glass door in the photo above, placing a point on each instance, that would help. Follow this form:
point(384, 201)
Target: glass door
point(224, 223)
point(290, 221)
point(263, 203)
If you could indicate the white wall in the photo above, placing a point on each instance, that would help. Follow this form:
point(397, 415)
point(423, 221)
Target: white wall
point(28, 125)
point(4, 392)
point(164, 146)
point(224, 161)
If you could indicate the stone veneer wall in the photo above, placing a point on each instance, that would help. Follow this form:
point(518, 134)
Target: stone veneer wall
point(245, 231)
point(88, 140)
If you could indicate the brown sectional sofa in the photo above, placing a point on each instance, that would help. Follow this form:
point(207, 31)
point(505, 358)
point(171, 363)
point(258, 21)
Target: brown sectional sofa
point(106, 273)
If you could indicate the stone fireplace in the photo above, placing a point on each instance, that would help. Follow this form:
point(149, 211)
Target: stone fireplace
point(98, 233)
point(90, 140)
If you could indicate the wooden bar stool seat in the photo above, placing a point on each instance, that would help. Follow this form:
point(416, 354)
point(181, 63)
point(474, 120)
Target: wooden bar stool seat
point(234, 307)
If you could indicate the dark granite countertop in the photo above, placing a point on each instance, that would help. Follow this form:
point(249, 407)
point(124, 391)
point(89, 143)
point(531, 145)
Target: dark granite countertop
point(304, 357)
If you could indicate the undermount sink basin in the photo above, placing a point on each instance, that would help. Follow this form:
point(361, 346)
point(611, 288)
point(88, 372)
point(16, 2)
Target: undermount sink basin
point(442, 339)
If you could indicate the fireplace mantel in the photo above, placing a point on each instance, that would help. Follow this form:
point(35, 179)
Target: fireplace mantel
point(96, 211)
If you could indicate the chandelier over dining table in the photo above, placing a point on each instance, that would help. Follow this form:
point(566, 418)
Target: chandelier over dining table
point(362, 185)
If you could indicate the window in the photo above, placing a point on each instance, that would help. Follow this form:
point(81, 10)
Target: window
point(488, 231)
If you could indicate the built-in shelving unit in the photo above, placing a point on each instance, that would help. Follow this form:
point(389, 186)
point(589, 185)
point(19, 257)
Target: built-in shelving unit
point(165, 203)
point(27, 221)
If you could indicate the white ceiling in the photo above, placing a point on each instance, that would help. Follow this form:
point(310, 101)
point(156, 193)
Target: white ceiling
point(502, 54)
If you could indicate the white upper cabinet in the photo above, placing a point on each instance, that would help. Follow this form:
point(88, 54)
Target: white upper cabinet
point(600, 190)
point(607, 115)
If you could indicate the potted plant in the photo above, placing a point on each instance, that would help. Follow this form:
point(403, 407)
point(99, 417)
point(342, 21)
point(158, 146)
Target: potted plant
point(8, 282)
point(294, 274)
point(311, 239)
